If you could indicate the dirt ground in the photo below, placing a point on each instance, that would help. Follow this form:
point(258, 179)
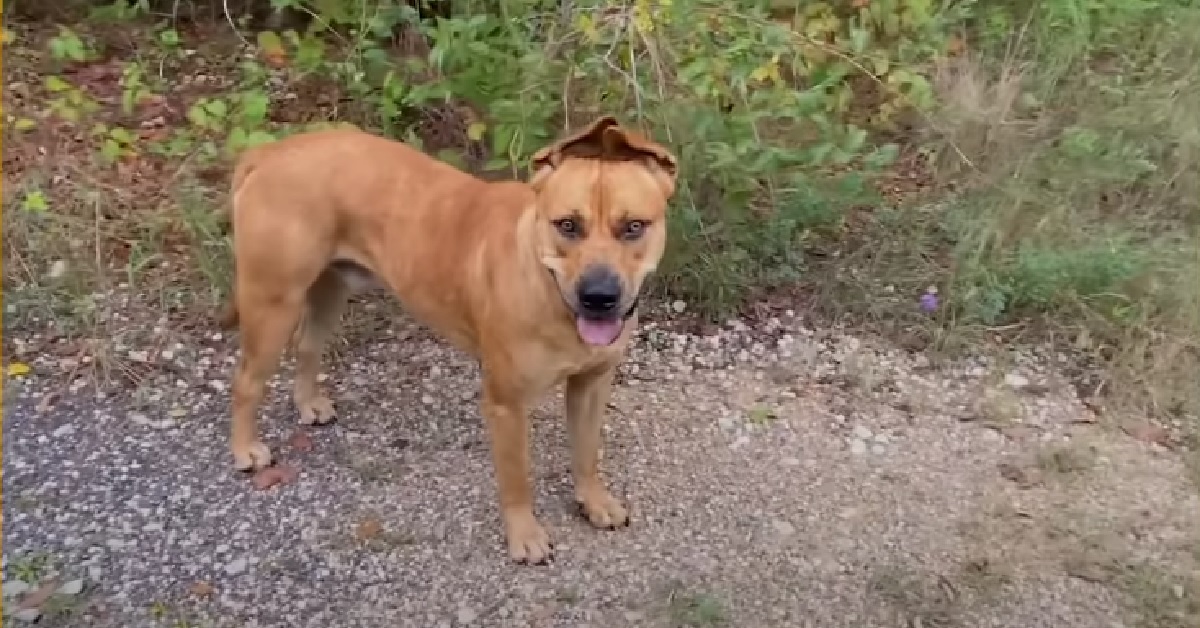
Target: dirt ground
point(777, 475)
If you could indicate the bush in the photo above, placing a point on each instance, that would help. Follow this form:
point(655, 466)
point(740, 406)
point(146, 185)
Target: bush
point(1059, 139)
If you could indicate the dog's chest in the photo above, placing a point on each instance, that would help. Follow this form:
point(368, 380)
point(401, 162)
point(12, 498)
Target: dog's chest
point(547, 366)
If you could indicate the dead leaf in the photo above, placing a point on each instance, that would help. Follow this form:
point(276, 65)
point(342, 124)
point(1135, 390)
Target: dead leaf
point(40, 594)
point(301, 441)
point(1012, 473)
point(271, 476)
point(1088, 569)
point(46, 404)
point(955, 46)
point(1148, 432)
point(368, 529)
point(201, 588)
point(18, 369)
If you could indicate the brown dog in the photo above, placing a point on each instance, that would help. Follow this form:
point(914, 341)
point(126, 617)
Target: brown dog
point(539, 281)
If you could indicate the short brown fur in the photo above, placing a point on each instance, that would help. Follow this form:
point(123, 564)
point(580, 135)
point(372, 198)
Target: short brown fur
point(480, 263)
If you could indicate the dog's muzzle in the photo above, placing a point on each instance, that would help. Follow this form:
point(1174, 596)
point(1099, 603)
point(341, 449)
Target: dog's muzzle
point(598, 297)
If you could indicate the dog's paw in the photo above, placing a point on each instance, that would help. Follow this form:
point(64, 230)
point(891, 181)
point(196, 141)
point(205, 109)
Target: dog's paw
point(316, 411)
point(528, 542)
point(601, 509)
point(251, 456)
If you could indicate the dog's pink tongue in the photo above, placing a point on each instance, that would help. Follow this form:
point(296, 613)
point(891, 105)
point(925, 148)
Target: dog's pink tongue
point(598, 333)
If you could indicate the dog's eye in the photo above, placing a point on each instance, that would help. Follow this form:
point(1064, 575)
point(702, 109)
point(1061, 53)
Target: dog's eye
point(567, 227)
point(634, 229)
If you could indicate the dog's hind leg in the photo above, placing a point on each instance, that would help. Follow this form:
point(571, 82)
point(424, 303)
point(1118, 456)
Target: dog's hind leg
point(326, 299)
point(267, 322)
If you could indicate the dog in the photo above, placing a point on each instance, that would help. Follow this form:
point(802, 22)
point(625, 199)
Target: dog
point(538, 280)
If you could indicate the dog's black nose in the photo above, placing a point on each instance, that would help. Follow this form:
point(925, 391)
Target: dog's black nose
point(599, 291)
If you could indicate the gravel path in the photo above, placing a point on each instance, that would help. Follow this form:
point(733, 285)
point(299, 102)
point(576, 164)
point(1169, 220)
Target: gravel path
point(776, 476)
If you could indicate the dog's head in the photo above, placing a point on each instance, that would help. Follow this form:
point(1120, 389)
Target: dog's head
point(602, 197)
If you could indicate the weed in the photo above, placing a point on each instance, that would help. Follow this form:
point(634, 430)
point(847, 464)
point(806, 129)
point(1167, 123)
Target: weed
point(1066, 459)
point(1160, 599)
point(696, 610)
point(1065, 130)
point(29, 568)
point(918, 601)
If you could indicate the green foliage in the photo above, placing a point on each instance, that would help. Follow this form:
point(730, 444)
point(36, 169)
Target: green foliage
point(759, 104)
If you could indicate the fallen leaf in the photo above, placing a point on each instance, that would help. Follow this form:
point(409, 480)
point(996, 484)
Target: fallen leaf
point(1094, 570)
point(1148, 432)
point(40, 594)
point(301, 441)
point(955, 45)
point(46, 403)
point(1012, 473)
point(278, 474)
point(18, 369)
point(201, 588)
point(368, 529)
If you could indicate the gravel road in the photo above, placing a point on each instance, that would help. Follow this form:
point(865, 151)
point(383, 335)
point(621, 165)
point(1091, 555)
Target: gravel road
point(777, 476)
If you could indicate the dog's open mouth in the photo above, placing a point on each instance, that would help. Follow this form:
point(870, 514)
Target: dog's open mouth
point(599, 333)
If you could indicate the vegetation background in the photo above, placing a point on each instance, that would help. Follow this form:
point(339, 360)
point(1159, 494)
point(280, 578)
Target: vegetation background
point(952, 174)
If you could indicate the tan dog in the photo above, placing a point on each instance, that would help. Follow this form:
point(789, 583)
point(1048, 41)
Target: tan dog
point(539, 281)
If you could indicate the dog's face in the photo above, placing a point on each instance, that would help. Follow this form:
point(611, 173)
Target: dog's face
point(601, 222)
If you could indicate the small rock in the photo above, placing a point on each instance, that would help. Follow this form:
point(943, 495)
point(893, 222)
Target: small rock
point(679, 307)
point(1016, 380)
point(783, 528)
point(236, 566)
point(13, 588)
point(57, 269)
point(861, 432)
point(137, 418)
point(63, 430)
point(858, 447)
point(878, 449)
point(27, 615)
point(466, 615)
point(73, 587)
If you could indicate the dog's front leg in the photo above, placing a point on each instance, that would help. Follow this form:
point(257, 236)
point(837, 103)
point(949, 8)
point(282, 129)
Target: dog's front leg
point(508, 425)
point(587, 397)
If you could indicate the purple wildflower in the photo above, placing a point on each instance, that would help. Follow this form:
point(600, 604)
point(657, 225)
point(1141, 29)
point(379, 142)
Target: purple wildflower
point(929, 301)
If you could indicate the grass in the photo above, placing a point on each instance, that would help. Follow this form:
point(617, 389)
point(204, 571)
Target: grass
point(1066, 459)
point(1160, 599)
point(696, 609)
point(1043, 182)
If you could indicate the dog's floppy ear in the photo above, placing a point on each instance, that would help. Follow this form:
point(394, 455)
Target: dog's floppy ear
point(604, 138)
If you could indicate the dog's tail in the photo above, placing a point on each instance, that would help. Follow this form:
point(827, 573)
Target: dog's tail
point(227, 318)
point(246, 164)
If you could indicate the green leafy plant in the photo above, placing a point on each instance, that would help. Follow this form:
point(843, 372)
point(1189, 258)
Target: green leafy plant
point(68, 46)
point(68, 101)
